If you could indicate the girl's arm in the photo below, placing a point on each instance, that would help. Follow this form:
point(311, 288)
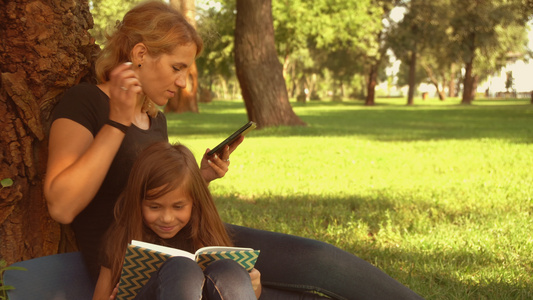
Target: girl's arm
point(105, 289)
point(255, 276)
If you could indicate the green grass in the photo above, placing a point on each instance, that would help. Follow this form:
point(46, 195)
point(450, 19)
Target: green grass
point(437, 195)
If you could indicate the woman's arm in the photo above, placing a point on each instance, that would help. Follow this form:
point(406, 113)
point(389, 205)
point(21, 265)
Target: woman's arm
point(214, 167)
point(104, 289)
point(77, 161)
point(77, 166)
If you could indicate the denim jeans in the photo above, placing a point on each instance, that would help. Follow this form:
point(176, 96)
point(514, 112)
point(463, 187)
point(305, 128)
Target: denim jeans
point(182, 278)
point(293, 263)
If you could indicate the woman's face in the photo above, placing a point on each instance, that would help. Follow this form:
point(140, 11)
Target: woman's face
point(162, 76)
point(168, 214)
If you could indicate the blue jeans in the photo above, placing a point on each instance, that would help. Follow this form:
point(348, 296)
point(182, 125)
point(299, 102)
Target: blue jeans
point(292, 263)
point(182, 278)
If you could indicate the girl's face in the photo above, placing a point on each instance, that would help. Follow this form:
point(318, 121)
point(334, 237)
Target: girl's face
point(168, 214)
point(162, 76)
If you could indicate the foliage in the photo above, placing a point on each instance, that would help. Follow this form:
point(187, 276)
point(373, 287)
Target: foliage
point(391, 184)
point(448, 32)
point(344, 37)
point(326, 34)
point(5, 288)
point(423, 31)
point(488, 28)
point(106, 14)
point(6, 182)
point(216, 26)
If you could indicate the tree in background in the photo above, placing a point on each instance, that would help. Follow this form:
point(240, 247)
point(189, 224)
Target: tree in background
point(291, 23)
point(376, 58)
point(258, 69)
point(217, 63)
point(328, 46)
point(420, 40)
point(46, 48)
point(106, 15)
point(479, 29)
point(312, 37)
point(186, 98)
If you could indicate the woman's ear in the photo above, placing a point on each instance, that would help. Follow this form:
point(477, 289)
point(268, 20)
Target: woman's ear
point(138, 53)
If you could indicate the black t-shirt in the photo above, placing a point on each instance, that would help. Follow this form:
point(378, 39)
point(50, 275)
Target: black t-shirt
point(87, 105)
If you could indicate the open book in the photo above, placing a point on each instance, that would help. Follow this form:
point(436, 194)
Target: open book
point(142, 259)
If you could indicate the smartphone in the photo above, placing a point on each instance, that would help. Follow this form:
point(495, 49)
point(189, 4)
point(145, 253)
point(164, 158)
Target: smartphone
point(241, 131)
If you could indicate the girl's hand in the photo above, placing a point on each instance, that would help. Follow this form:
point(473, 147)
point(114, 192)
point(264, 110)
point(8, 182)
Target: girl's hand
point(255, 276)
point(124, 86)
point(214, 167)
point(114, 293)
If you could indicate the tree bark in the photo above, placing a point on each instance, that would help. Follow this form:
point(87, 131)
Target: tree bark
point(258, 69)
point(46, 49)
point(412, 72)
point(468, 84)
point(451, 85)
point(473, 90)
point(373, 74)
point(371, 85)
point(434, 81)
point(186, 99)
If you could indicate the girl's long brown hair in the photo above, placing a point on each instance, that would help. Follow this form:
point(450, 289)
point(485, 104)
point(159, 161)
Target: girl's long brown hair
point(156, 24)
point(159, 169)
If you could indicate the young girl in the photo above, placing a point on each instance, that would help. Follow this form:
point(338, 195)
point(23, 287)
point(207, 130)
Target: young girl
point(166, 201)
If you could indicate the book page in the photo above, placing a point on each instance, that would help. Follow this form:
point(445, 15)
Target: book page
point(163, 249)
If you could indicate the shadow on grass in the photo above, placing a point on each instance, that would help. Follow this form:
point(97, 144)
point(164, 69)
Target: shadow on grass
point(433, 273)
point(383, 123)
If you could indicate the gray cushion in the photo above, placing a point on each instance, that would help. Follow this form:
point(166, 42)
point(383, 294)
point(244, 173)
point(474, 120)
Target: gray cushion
point(54, 277)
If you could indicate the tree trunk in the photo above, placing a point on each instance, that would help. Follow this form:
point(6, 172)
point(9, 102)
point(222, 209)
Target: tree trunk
point(468, 84)
point(286, 63)
point(257, 66)
point(412, 72)
point(45, 50)
point(473, 90)
point(371, 85)
point(186, 99)
point(434, 81)
point(442, 93)
point(451, 84)
point(373, 75)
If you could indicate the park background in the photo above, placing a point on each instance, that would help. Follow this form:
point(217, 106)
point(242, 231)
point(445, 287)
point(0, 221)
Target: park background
point(434, 189)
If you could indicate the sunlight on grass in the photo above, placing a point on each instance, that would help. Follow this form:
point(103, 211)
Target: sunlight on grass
point(438, 195)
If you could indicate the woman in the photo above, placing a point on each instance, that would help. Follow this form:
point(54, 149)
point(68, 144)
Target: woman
point(98, 131)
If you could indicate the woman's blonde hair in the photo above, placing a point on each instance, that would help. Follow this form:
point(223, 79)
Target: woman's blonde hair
point(155, 24)
point(160, 169)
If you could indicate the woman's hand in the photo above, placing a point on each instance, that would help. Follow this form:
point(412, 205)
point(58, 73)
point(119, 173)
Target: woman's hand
point(216, 166)
point(124, 86)
point(255, 276)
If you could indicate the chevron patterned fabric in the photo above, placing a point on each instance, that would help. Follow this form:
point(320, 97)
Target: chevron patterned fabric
point(139, 264)
point(245, 258)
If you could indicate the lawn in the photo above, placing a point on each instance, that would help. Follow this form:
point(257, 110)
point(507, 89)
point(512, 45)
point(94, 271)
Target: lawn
point(437, 195)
